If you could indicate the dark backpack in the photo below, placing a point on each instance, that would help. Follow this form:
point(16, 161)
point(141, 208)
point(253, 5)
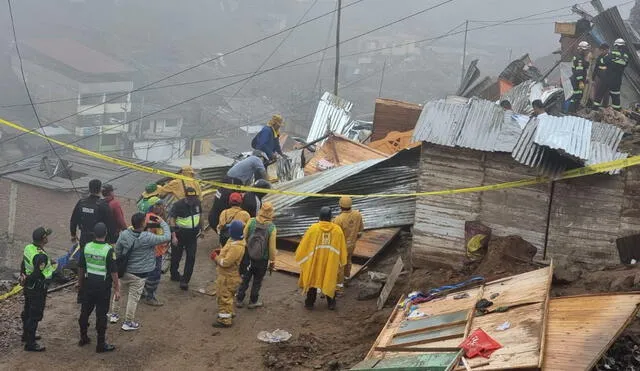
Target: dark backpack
point(258, 243)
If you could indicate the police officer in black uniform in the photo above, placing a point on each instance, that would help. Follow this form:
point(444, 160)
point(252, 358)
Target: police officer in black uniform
point(88, 212)
point(97, 271)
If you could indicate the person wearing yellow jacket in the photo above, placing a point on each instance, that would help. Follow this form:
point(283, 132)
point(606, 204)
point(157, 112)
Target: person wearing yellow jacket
point(177, 187)
point(320, 254)
point(352, 226)
point(228, 276)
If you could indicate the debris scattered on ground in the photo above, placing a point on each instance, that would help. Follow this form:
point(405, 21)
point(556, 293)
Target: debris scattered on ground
point(624, 354)
point(506, 256)
point(378, 277)
point(10, 322)
point(504, 326)
point(275, 336)
point(368, 290)
point(609, 116)
point(464, 295)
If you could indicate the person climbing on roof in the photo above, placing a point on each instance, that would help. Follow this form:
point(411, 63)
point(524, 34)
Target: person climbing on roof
point(538, 109)
point(352, 226)
point(320, 254)
point(252, 167)
point(268, 139)
point(178, 187)
point(579, 69)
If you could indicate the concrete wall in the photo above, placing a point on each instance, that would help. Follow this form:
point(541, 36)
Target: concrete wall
point(34, 207)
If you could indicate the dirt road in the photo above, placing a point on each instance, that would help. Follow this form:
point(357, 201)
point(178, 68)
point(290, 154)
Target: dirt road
point(179, 335)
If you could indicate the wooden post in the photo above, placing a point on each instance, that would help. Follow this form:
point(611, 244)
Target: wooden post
point(13, 201)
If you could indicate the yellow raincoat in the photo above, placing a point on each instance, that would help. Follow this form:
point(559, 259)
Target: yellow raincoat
point(177, 186)
point(352, 226)
point(321, 253)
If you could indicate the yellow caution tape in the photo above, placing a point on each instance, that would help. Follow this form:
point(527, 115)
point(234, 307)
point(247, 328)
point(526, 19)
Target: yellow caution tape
point(575, 173)
point(16, 289)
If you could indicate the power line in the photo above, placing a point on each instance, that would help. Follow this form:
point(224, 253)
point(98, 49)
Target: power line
point(209, 60)
point(26, 87)
point(318, 51)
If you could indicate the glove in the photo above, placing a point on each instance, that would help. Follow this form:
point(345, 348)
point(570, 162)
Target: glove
point(581, 85)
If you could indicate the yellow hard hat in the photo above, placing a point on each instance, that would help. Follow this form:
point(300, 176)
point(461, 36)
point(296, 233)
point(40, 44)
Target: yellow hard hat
point(345, 202)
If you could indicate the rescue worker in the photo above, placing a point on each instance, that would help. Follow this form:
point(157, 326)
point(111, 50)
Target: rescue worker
point(97, 272)
point(178, 187)
point(579, 69)
point(116, 217)
point(538, 109)
point(252, 167)
point(87, 213)
point(144, 203)
point(268, 139)
point(352, 226)
point(156, 212)
point(252, 201)
point(221, 201)
point(186, 226)
point(506, 105)
point(235, 212)
point(597, 77)
point(320, 254)
point(227, 276)
point(36, 273)
point(616, 62)
point(260, 234)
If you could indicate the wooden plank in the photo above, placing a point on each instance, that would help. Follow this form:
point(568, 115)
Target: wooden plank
point(430, 323)
point(286, 262)
point(391, 281)
point(386, 334)
point(582, 328)
point(428, 336)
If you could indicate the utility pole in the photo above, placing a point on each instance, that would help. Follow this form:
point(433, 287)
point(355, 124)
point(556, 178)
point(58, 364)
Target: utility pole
point(337, 73)
point(464, 51)
point(384, 67)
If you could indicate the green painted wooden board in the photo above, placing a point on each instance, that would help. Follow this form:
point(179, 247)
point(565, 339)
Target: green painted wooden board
point(433, 321)
point(424, 362)
point(420, 337)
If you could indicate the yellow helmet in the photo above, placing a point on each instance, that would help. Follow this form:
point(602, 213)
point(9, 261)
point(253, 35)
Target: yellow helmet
point(345, 202)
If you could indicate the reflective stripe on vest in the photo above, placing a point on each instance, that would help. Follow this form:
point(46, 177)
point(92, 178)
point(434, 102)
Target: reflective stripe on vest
point(189, 222)
point(95, 255)
point(30, 251)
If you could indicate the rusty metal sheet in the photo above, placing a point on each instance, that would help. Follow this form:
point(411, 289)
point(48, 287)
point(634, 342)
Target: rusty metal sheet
point(338, 151)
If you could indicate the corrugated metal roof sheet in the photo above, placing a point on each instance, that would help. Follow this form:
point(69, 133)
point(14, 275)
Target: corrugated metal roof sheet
point(397, 174)
point(520, 97)
point(332, 115)
point(569, 135)
point(471, 123)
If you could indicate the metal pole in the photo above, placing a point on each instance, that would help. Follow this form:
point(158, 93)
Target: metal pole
point(464, 51)
point(384, 67)
point(337, 72)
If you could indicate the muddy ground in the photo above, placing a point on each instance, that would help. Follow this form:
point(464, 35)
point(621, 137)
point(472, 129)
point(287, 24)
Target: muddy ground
point(180, 335)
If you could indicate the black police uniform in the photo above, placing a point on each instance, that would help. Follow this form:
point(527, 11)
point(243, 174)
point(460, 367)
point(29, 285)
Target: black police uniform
point(187, 240)
point(35, 297)
point(87, 213)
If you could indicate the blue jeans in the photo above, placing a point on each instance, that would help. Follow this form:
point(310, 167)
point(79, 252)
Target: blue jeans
point(153, 280)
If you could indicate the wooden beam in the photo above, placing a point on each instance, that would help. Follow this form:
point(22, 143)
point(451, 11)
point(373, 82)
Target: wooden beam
point(391, 281)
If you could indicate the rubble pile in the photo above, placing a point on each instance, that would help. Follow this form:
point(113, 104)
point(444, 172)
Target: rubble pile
point(624, 354)
point(506, 256)
point(609, 116)
point(10, 322)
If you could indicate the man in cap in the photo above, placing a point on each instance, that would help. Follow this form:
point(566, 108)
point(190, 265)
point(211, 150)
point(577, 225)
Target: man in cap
point(352, 226)
point(144, 203)
point(252, 167)
point(178, 187)
point(186, 224)
point(235, 212)
point(320, 254)
point(260, 256)
point(97, 272)
point(268, 139)
point(227, 276)
point(36, 272)
point(117, 216)
point(88, 212)
point(156, 212)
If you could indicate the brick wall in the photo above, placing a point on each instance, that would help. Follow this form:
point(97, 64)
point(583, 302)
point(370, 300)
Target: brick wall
point(36, 207)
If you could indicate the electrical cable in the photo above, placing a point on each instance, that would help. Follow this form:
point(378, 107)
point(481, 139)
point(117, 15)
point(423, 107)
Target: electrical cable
point(35, 111)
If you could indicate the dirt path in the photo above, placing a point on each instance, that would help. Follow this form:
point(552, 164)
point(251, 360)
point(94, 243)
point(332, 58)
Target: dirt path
point(180, 335)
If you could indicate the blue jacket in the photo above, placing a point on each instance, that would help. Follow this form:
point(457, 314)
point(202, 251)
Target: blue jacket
point(267, 142)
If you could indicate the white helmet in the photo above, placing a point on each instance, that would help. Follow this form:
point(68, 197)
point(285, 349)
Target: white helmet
point(583, 45)
point(619, 42)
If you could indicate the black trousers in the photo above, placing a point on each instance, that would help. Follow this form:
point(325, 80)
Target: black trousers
point(187, 242)
point(311, 298)
point(97, 298)
point(256, 270)
point(34, 303)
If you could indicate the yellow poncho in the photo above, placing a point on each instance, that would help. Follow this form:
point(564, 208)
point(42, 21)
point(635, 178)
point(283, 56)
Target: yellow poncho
point(320, 254)
point(177, 186)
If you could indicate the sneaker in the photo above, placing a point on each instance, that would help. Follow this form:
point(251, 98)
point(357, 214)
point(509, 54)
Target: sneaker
point(34, 348)
point(220, 325)
point(105, 348)
point(113, 317)
point(184, 286)
point(153, 302)
point(257, 304)
point(130, 325)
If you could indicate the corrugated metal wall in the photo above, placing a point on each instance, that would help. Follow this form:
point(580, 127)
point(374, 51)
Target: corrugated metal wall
point(439, 222)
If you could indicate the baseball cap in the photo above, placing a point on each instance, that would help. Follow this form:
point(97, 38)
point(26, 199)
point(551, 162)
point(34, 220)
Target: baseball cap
point(107, 187)
point(40, 232)
point(151, 187)
point(235, 198)
point(189, 191)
